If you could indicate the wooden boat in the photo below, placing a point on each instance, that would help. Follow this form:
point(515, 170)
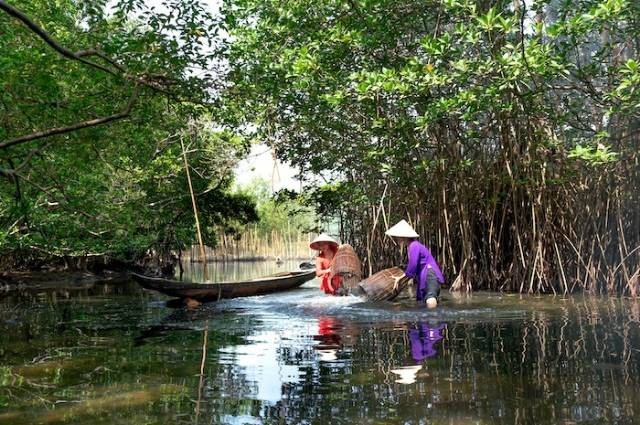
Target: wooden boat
point(205, 292)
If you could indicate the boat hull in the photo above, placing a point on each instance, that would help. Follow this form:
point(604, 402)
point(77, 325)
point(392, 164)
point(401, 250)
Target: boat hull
point(207, 292)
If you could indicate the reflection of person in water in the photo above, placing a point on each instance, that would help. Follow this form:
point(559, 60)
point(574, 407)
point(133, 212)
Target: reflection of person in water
point(423, 337)
point(329, 340)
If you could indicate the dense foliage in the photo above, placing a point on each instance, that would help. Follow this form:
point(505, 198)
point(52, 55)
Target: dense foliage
point(97, 98)
point(505, 131)
point(280, 212)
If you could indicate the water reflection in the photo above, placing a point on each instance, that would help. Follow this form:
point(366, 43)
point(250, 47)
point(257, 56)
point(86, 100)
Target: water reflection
point(301, 357)
point(423, 337)
point(328, 339)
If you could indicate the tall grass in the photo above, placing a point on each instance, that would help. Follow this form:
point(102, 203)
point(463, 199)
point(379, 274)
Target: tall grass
point(253, 245)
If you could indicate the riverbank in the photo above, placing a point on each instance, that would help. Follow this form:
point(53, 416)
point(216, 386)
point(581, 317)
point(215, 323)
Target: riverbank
point(32, 267)
point(42, 280)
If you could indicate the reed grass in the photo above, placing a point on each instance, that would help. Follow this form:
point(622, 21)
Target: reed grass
point(253, 245)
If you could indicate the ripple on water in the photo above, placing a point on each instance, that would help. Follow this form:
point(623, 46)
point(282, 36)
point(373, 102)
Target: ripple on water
point(308, 302)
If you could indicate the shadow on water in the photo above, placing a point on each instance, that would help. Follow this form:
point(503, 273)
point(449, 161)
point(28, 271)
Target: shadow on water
point(121, 356)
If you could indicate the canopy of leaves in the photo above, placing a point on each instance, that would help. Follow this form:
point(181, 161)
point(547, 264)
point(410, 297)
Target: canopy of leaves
point(120, 187)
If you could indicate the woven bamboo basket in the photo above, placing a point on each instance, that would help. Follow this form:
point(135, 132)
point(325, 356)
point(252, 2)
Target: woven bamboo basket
point(379, 286)
point(346, 264)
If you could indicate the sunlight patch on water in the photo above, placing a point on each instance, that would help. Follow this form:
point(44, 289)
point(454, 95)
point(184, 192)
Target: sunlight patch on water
point(259, 360)
point(242, 419)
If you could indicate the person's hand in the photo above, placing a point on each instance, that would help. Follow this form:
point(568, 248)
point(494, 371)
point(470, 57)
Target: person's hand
point(396, 281)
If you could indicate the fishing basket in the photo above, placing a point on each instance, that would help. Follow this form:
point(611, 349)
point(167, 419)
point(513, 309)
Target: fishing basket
point(346, 264)
point(379, 286)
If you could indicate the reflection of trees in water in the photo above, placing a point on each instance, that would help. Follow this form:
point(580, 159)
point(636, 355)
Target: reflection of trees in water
point(575, 360)
point(575, 363)
point(75, 291)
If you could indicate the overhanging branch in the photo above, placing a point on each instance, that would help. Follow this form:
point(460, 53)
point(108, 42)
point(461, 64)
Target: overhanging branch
point(153, 81)
point(83, 124)
point(16, 13)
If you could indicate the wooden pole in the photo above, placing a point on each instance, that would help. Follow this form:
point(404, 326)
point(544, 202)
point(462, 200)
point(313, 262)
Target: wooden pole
point(203, 255)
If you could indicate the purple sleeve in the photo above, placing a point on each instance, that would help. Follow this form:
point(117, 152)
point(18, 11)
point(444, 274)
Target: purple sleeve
point(414, 256)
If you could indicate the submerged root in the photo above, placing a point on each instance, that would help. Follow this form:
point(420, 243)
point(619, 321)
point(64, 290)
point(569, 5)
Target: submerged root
point(461, 284)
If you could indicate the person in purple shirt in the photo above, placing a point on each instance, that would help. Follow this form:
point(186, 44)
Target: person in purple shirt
point(421, 265)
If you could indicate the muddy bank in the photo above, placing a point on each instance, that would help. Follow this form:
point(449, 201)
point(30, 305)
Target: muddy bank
point(37, 269)
point(52, 280)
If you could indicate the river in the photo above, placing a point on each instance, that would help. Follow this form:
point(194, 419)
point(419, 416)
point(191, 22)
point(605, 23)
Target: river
point(117, 354)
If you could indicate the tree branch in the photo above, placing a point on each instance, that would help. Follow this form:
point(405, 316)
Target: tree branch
point(83, 124)
point(102, 55)
point(12, 171)
point(152, 81)
point(14, 177)
point(16, 13)
point(163, 203)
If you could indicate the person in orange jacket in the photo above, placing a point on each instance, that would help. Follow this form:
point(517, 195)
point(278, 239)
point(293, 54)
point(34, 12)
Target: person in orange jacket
point(328, 247)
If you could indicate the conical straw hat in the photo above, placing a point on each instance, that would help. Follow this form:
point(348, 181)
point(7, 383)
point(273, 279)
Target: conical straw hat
point(323, 237)
point(402, 230)
point(328, 355)
point(407, 374)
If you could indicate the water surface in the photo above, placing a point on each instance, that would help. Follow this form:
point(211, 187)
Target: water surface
point(119, 355)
